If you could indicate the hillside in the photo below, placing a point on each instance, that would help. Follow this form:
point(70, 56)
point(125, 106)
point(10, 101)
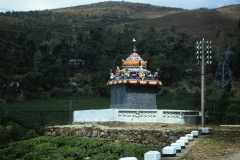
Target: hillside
point(133, 10)
point(211, 24)
point(39, 44)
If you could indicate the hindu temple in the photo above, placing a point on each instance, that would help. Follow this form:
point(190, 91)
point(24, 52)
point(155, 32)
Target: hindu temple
point(133, 97)
point(133, 86)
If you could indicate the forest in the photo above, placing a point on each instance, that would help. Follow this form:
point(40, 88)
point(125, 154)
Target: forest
point(36, 48)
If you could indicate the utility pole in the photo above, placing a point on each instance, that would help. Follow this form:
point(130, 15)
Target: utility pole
point(200, 46)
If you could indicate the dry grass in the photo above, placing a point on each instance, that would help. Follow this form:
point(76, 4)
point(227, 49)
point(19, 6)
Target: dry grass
point(222, 143)
point(210, 24)
point(135, 10)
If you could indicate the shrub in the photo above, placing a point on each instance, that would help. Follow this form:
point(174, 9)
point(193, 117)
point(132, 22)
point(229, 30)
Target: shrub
point(73, 147)
point(193, 83)
point(5, 134)
point(233, 92)
point(56, 92)
point(3, 109)
point(29, 135)
point(165, 92)
point(232, 118)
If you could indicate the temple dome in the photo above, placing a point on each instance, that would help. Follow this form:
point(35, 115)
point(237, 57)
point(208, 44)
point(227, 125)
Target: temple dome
point(134, 61)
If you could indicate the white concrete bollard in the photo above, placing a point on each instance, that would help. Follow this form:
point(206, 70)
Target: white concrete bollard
point(195, 134)
point(185, 139)
point(181, 142)
point(169, 151)
point(190, 137)
point(128, 158)
point(206, 130)
point(152, 155)
point(178, 146)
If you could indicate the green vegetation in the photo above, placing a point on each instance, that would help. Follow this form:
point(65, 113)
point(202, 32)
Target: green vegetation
point(36, 114)
point(71, 147)
point(36, 48)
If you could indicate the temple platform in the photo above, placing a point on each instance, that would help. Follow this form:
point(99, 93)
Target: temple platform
point(132, 115)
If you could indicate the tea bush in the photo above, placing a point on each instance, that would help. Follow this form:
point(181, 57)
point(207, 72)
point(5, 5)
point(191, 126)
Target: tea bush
point(71, 147)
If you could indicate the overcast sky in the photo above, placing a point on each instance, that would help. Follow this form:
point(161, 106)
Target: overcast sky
point(27, 5)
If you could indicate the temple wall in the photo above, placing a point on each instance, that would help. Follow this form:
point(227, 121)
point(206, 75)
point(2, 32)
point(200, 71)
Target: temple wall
point(132, 115)
point(133, 97)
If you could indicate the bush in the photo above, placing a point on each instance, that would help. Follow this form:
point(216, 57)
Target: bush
point(234, 108)
point(193, 83)
point(232, 118)
point(29, 135)
point(73, 147)
point(56, 93)
point(3, 109)
point(233, 92)
point(5, 135)
point(165, 92)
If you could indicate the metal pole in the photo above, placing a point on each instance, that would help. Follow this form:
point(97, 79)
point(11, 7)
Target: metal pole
point(202, 85)
point(70, 113)
point(223, 74)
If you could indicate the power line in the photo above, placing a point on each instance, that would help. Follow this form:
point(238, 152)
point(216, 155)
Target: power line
point(223, 75)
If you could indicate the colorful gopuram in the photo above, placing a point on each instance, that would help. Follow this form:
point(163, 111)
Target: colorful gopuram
point(133, 86)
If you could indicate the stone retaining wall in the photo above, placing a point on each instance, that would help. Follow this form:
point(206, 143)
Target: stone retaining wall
point(155, 137)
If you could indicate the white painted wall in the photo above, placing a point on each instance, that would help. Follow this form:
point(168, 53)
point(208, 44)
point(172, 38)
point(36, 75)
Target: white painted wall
point(132, 115)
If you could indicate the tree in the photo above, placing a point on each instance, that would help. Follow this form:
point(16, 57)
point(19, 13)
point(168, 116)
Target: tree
point(224, 103)
point(37, 57)
point(3, 109)
point(197, 100)
point(233, 114)
point(34, 81)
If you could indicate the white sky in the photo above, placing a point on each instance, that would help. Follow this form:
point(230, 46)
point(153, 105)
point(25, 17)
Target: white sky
point(27, 5)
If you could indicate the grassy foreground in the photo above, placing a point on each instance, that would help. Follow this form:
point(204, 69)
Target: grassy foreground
point(35, 114)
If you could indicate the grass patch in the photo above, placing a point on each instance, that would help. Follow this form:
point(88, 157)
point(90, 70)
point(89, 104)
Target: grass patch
point(35, 114)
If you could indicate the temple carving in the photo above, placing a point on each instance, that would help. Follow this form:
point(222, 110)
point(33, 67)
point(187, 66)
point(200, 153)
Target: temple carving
point(134, 71)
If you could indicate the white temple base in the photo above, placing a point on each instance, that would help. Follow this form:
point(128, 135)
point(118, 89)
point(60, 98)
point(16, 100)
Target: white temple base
point(131, 115)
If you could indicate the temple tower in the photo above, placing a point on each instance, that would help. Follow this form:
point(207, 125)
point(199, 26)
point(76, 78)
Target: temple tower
point(134, 87)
